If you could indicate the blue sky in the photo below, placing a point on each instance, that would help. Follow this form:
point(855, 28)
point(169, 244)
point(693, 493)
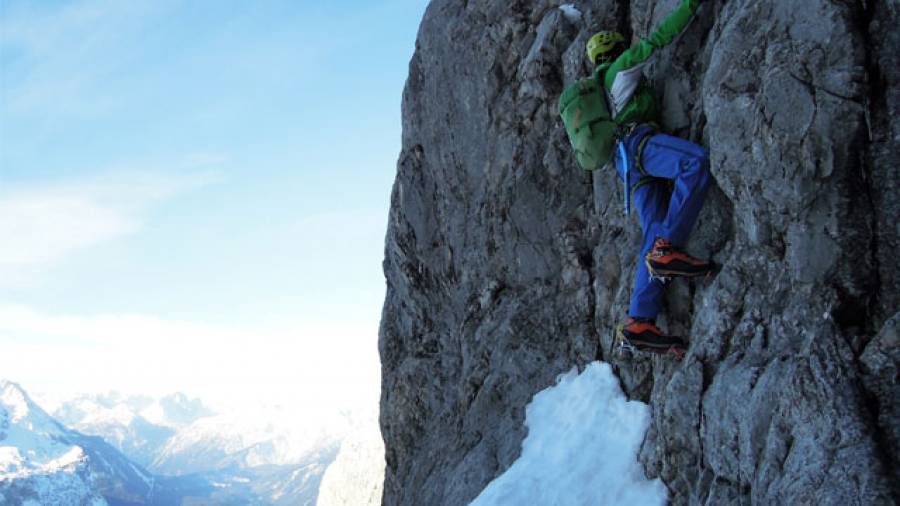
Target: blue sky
point(205, 172)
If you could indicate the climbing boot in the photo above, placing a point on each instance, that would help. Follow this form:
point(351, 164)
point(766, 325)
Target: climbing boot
point(642, 334)
point(665, 261)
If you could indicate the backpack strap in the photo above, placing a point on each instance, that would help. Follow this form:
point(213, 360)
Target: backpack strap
point(627, 179)
point(600, 76)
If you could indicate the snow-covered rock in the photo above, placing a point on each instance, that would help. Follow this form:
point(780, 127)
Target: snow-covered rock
point(571, 13)
point(356, 476)
point(582, 448)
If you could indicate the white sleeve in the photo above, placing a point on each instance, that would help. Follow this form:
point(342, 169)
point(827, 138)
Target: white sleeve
point(623, 87)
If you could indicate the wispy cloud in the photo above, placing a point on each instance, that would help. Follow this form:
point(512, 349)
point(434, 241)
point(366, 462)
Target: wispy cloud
point(42, 224)
point(42, 227)
point(69, 50)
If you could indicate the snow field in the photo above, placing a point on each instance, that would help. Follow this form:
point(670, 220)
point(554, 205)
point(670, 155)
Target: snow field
point(581, 449)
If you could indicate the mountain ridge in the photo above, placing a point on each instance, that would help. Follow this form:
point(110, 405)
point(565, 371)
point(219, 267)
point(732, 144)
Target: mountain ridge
point(43, 460)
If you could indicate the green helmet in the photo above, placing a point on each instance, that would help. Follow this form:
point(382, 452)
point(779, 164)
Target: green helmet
point(602, 43)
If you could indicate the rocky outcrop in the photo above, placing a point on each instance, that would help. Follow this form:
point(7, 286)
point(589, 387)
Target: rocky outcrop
point(356, 476)
point(506, 265)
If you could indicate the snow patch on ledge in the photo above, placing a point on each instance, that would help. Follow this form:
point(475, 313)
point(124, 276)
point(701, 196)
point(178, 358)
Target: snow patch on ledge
point(581, 449)
point(571, 13)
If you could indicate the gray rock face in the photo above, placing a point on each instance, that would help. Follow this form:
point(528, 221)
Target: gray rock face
point(506, 265)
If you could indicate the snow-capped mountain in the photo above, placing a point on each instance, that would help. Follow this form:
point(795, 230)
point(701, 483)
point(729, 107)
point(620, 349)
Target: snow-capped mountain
point(142, 450)
point(36, 465)
point(239, 439)
point(138, 426)
point(176, 410)
point(42, 462)
point(177, 435)
point(263, 454)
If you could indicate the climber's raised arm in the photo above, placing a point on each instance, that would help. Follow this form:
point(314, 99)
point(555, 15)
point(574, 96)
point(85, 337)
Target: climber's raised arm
point(640, 52)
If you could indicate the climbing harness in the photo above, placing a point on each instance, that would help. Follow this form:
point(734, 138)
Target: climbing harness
point(622, 133)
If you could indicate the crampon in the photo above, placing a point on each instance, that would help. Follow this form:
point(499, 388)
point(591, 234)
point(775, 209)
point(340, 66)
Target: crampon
point(665, 262)
point(640, 335)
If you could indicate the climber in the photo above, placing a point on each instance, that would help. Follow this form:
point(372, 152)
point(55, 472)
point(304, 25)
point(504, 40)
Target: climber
point(666, 177)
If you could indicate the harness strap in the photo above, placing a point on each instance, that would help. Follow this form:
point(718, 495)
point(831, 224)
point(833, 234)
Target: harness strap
point(644, 180)
point(621, 134)
point(640, 152)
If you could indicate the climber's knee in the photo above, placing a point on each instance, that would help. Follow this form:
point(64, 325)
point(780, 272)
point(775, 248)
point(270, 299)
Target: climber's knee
point(696, 168)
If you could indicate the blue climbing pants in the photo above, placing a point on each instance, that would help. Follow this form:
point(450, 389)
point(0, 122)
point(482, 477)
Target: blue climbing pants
point(663, 214)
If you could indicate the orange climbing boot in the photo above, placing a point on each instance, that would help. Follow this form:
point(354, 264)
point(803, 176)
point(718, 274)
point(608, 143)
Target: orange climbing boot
point(642, 334)
point(666, 261)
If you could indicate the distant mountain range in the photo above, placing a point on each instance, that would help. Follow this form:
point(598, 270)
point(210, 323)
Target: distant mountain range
point(138, 426)
point(43, 462)
point(124, 450)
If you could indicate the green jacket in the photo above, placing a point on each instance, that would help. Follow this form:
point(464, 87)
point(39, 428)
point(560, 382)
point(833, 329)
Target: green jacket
point(632, 100)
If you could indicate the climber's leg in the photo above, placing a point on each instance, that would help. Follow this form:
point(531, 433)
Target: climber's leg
point(651, 202)
point(639, 331)
point(687, 165)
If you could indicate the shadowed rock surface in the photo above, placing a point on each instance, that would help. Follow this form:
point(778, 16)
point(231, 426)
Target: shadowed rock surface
point(506, 264)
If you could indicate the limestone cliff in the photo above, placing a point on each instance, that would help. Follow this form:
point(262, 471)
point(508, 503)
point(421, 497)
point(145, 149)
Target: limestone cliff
point(506, 264)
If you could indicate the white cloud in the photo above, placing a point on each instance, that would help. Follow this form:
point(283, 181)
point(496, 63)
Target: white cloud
point(40, 226)
point(326, 364)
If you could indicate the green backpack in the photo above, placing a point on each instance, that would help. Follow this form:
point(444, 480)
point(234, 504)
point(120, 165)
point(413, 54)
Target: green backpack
point(591, 128)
